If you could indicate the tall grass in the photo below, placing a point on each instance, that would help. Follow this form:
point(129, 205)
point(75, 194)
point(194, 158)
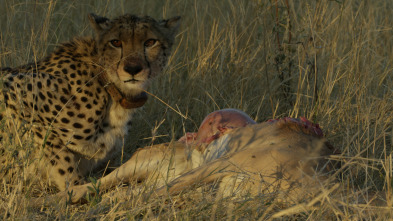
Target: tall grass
point(330, 61)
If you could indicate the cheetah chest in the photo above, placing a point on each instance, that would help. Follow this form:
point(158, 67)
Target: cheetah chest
point(111, 135)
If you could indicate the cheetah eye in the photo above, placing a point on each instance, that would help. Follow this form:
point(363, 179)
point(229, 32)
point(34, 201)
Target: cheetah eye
point(116, 43)
point(150, 42)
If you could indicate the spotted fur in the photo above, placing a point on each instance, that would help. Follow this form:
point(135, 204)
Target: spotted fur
point(76, 123)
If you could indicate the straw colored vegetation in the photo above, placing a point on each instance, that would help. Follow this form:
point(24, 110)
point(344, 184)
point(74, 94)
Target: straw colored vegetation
point(330, 61)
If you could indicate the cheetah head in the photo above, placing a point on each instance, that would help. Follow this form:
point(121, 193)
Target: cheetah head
point(132, 50)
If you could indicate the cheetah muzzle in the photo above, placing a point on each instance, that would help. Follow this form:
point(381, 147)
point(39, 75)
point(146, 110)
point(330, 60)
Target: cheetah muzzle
point(78, 101)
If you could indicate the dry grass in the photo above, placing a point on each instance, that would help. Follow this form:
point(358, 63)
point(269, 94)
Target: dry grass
point(331, 61)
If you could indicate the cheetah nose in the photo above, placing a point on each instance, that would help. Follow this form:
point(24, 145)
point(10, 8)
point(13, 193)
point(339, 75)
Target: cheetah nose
point(133, 70)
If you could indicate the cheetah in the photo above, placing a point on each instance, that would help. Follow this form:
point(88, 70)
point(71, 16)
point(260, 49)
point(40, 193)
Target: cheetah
point(80, 99)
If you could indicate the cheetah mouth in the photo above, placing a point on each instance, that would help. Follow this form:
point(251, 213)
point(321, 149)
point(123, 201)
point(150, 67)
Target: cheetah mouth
point(131, 80)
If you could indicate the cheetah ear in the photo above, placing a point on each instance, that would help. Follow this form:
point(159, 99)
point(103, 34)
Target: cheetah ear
point(172, 24)
point(98, 23)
